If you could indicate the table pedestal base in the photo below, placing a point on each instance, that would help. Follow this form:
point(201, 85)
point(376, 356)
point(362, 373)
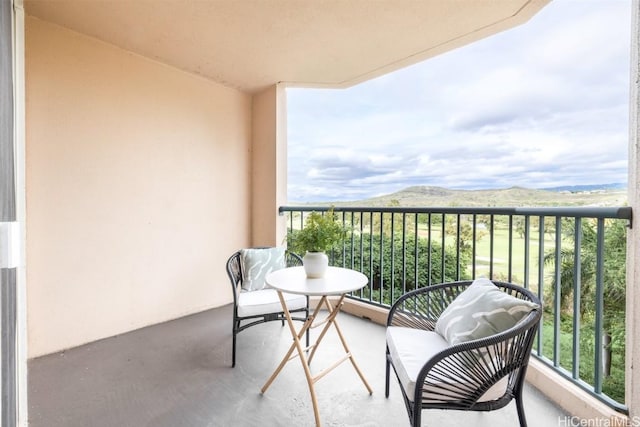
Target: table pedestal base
point(329, 321)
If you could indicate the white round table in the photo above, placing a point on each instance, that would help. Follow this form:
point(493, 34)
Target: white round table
point(336, 282)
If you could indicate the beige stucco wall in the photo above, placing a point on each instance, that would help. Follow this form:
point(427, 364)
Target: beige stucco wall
point(137, 189)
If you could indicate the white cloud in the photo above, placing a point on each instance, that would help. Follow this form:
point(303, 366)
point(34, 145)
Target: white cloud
point(543, 104)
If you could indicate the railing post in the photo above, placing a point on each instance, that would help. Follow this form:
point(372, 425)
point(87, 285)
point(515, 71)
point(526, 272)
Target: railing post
point(599, 326)
point(540, 276)
point(557, 297)
point(577, 292)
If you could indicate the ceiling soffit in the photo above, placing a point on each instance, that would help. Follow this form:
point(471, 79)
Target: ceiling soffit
point(253, 44)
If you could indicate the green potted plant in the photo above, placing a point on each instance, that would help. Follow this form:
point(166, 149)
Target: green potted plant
point(319, 234)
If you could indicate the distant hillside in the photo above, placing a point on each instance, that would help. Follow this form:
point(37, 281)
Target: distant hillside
point(508, 197)
point(592, 187)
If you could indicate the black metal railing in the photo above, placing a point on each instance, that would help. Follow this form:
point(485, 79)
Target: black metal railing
point(573, 257)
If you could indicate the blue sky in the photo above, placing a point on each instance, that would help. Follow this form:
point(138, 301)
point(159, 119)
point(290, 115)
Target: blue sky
point(544, 104)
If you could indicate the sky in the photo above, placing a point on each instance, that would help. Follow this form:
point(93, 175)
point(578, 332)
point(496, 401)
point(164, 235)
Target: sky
point(545, 104)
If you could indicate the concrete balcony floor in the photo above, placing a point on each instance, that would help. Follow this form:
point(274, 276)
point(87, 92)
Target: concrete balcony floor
point(178, 374)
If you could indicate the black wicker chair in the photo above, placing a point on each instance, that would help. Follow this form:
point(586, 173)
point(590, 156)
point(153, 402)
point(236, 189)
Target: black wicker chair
point(267, 307)
point(478, 375)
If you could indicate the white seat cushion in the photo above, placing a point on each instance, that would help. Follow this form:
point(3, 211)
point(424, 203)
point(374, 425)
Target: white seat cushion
point(265, 301)
point(411, 348)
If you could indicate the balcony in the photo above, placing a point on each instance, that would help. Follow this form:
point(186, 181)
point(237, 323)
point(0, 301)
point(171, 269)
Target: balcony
point(142, 170)
point(178, 374)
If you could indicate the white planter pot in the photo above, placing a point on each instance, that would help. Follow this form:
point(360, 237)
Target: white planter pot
point(315, 264)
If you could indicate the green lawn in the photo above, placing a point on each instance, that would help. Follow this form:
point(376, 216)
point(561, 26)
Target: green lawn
point(501, 254)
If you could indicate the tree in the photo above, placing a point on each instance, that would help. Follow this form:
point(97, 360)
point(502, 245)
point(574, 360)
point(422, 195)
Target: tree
point(614, 277)
point(372, 254)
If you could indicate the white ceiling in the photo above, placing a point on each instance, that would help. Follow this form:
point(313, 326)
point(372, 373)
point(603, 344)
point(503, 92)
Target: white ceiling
point(252, 44)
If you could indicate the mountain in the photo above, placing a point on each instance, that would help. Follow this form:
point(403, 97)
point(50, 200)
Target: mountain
point(590, 187)
point(508, 197)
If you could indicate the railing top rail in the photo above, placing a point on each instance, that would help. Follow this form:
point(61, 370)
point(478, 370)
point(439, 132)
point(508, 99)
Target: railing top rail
point(623, 212)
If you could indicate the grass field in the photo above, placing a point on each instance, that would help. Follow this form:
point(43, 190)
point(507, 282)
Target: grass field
point(501, 256)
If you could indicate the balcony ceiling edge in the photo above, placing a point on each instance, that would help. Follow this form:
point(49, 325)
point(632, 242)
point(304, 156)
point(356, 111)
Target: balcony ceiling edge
point(253, 45)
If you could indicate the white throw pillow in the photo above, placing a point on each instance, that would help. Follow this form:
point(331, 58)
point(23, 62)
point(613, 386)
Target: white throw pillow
point(479, 311)
point(257, 263)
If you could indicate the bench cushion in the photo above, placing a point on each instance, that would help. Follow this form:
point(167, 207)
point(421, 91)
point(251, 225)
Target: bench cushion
point(266, 301)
